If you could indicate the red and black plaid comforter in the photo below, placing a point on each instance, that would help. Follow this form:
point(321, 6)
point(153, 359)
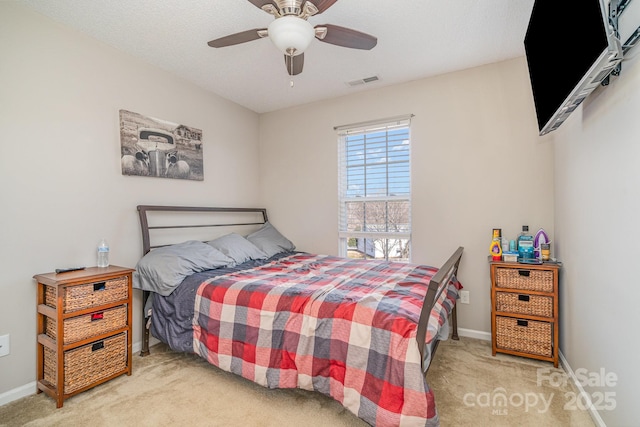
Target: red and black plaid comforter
point(343, 327)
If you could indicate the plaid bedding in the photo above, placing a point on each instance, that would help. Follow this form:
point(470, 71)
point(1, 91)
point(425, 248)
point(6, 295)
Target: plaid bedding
point(343, 327)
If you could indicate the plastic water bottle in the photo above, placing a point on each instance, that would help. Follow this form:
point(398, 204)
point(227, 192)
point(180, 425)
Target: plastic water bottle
point(103, 253)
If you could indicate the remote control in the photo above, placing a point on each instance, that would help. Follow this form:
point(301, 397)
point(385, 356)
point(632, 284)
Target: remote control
point(66, 270)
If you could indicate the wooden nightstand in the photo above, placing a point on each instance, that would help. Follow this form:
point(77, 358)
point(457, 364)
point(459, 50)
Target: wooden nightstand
point(84, 329)
point(524, 310)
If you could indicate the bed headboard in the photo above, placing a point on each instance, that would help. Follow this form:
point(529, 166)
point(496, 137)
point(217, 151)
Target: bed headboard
point(166, 225)
point(157, 222)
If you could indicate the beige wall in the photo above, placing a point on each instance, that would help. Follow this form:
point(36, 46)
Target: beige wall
point(61, 185)
point(477, 163)
point(597, 192)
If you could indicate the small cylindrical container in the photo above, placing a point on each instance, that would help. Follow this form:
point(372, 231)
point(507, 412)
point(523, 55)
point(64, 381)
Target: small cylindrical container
point(103, 253)
point(545, 251)
point(504, 244)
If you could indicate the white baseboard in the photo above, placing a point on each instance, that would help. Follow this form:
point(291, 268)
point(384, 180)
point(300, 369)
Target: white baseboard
point(595, 415)
point(472, 333)
point(18, 393)
point(31, 388)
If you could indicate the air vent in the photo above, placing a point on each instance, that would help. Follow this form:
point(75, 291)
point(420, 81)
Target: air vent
point(363, 81)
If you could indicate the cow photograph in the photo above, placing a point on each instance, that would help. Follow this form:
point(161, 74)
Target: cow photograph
point(158, 148)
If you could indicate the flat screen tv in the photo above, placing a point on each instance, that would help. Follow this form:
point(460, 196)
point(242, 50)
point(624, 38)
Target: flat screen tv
point(570, 49)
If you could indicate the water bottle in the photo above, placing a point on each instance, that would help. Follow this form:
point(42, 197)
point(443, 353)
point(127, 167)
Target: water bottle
point(103, 253)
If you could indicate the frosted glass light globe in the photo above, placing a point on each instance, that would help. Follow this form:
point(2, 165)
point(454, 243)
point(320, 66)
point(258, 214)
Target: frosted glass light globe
point(291, 35)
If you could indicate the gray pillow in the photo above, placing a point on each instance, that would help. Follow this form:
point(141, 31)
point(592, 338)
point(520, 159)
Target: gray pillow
point(237, 248)
point(270, 241)
point(163, 269)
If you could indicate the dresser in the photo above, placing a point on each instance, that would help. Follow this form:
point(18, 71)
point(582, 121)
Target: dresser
point(524, 310)
point(84, 323)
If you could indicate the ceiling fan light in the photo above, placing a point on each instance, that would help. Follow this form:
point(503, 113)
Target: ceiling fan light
point(291, 35)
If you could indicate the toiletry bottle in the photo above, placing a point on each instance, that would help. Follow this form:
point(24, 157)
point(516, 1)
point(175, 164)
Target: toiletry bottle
point(525, 244)
point(494, 248)
point(545, 251)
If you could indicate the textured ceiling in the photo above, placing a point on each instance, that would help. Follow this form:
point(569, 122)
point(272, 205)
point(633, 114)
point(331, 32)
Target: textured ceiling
point(416, 39)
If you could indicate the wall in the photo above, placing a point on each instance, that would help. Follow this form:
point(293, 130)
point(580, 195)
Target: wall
point(61, 184)
point(597, 193)
point(477, 163)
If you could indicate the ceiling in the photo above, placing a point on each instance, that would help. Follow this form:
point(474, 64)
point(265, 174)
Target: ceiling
point(416, 39)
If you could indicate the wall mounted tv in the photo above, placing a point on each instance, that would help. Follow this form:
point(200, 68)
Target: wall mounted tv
point(570, 49)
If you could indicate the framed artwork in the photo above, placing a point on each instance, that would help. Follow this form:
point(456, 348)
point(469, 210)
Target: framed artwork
point(158, 148)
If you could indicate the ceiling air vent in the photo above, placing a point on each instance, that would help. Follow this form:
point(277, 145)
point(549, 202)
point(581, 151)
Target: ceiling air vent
point(366, 80)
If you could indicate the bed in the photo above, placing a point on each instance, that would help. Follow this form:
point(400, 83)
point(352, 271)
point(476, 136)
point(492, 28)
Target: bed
point(245, 299)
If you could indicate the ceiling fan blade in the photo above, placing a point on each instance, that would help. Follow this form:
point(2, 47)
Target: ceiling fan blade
point(294, 64)
point(346, 37)
point(322, 5)
point(260, 3)
point(237, 38)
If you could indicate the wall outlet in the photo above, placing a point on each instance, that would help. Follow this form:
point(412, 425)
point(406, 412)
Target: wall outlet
point(5, 348)
point(464, 297)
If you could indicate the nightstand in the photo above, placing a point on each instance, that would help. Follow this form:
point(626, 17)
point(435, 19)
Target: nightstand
point(83, 329)
point(524, 310)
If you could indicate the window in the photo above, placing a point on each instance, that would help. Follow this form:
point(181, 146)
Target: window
point(375, 190)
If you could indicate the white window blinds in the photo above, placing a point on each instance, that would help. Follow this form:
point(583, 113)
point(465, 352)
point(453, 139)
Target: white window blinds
point(375, 189)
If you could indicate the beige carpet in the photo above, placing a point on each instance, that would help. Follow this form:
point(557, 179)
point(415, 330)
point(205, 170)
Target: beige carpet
point(169, 388)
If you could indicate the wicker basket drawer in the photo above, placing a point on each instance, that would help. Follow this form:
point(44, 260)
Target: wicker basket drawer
point(86, 365)
point(89, 295)
point(534, 305)
point(524, 279)
point(527, 336)
point(89, 325)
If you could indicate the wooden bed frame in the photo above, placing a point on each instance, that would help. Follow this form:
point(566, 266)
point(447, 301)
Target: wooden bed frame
point(445, 273)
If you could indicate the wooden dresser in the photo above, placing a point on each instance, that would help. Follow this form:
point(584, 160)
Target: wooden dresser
point(84, 329)
point(524, 310)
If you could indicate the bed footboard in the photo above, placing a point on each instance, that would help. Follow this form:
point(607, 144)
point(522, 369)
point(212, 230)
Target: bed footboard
point(436, 286)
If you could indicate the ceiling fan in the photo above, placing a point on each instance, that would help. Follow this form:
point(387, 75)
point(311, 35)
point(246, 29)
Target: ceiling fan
point(292, 33)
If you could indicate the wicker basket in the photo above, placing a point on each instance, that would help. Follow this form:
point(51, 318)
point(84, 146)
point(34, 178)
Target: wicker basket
point(89, 295)
point(527, 336)
point(530, 280)
point(534, 305)
point(89, 325)
point(86, 365)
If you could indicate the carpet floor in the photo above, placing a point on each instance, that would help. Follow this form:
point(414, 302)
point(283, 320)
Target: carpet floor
point(472, 388)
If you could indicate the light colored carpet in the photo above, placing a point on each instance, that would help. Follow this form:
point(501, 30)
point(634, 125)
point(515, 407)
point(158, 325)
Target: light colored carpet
point(169, 388)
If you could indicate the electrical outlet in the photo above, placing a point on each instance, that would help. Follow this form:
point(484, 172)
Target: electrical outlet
point(5, 348)
point(464, 297)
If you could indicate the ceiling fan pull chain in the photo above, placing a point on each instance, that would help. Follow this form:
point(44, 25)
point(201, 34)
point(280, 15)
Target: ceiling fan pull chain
point(291, 72)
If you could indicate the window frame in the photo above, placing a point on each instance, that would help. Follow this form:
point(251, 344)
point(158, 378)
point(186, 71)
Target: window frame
point(344, 235)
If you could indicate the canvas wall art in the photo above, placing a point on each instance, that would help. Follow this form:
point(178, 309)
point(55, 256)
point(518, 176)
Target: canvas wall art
point(159, 148)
